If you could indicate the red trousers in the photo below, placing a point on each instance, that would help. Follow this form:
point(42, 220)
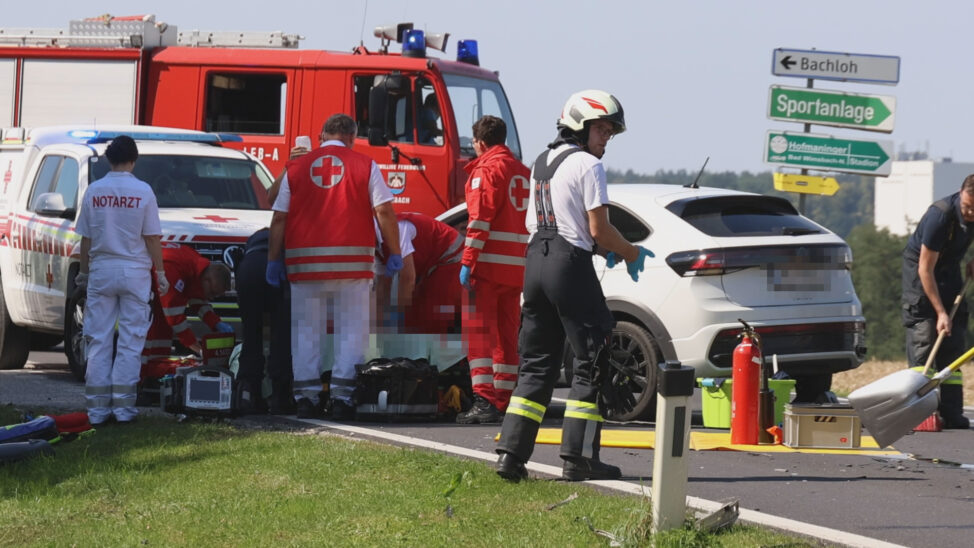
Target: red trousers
point(436, 301)
point(491, 317)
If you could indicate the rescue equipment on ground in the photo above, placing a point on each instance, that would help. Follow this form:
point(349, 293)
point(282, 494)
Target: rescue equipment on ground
point(217, 348)
point(396, 388)
point(41, 428)
point(747, 378)
point(822, 426)
point(15, 451)
point(202, 390)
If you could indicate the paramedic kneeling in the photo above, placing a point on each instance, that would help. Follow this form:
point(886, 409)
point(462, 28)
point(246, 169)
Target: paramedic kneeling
point(562, 294)
point(119, 226)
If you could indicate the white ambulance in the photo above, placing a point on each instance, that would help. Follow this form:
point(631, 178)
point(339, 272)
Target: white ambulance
point(211, 198)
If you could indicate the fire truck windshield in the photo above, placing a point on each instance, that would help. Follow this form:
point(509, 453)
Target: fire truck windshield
point(473, 98)
point(197, 181)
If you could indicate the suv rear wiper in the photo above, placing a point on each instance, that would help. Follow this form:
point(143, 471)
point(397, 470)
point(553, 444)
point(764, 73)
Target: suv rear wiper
point(798, 231)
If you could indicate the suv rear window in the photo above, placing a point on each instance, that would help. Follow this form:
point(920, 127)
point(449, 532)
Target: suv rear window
point(197, 181)
point(729, 216)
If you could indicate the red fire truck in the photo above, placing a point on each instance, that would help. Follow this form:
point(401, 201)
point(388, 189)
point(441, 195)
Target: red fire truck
point(414, 112)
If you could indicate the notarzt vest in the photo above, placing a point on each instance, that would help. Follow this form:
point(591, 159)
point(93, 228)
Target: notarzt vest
point(329, 233)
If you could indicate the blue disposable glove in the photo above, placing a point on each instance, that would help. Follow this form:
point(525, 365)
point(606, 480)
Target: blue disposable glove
point(393, 264)
point(611, 259)
point(224, 327)
point(465, 277)
point(275, 273)
point(635, 267)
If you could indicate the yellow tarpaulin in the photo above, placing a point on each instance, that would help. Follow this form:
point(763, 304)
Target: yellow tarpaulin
point(709, 441)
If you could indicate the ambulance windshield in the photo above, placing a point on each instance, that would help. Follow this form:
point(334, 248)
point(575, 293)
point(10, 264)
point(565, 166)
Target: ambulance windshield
point(198, 181)
point(473, 98)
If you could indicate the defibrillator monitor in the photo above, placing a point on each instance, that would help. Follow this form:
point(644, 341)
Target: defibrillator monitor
point(209, 390)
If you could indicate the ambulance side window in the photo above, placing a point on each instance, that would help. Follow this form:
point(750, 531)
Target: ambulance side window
point(246, 103)
point(45, 179)
point(67, 182)
point(628, 224)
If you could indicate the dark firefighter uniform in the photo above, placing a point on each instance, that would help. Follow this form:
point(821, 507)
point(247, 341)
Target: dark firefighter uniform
point(942, 229)
point(562, 297)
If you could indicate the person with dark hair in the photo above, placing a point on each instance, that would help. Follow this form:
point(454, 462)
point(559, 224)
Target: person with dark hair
point(492, 270)
point(120, 245)
point(569, 222)
point(330, 270)
point(194, 281)
point(932, 279)
point(429, 121)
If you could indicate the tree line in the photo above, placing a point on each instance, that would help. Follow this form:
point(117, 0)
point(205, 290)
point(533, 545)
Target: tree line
point(849, 213)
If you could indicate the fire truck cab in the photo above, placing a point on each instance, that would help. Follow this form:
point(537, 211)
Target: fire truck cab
point(414, 112)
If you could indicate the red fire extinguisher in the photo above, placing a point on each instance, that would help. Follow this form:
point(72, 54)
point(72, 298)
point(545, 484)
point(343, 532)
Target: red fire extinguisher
point(745, 426)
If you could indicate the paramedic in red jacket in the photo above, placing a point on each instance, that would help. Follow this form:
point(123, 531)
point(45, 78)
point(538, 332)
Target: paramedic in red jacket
point(323, 242)
point(492, 269)
point(193, 282)
point(428, 296)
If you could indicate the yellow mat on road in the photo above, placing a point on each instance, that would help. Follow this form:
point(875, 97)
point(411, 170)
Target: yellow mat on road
point(710, 441)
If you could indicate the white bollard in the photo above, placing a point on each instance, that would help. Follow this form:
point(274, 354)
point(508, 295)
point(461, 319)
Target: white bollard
point(672, 446)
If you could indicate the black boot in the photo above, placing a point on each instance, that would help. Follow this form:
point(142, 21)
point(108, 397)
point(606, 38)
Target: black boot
point(251, 400)
point(482, 412)
point(580, 469)
point(952, 407)
point(282, 399)
point(511, 468)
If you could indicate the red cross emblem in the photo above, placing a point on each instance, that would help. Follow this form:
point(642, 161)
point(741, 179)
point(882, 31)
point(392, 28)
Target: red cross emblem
point(217, 218)
point(327, 166)
point(518, 192)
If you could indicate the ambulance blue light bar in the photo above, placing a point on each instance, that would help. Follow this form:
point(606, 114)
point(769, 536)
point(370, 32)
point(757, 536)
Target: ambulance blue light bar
point(414, 43)
point(96, 136)
point(467, 52)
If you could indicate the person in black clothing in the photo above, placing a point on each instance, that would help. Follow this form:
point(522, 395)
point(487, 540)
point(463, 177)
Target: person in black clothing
point(257, 298)
point(562, 294)
point(932, 278)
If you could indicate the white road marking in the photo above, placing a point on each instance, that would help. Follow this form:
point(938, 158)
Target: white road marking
point(695, 503)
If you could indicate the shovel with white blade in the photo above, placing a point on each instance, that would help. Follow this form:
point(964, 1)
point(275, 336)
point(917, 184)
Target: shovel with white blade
point(893, 405)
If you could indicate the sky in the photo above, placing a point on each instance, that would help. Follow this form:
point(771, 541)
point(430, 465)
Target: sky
point(693, 76)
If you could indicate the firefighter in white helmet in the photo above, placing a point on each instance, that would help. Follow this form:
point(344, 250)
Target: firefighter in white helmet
point(568, 222)
point(120, 230)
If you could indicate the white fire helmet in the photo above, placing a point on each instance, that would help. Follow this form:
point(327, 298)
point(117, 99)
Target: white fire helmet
point(592, 104)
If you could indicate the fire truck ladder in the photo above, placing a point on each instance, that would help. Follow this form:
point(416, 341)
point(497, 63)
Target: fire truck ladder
point(141, 32)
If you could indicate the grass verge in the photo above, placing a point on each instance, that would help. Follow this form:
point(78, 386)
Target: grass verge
point(158, 482)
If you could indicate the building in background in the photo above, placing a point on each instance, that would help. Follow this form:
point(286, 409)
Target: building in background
point(903, 197)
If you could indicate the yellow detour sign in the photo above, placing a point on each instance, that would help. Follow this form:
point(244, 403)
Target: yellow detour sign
point(805, 184)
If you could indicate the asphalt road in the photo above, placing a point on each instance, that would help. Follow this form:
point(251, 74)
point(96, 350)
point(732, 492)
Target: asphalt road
point(924, 497)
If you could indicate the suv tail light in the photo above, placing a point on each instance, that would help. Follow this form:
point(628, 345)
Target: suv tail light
point(714, 262)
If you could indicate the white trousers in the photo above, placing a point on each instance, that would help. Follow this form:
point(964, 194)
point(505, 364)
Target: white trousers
point(116, 294)
point(346, 304)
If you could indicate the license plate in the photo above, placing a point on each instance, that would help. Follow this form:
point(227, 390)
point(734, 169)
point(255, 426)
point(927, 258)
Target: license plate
point(798, 279)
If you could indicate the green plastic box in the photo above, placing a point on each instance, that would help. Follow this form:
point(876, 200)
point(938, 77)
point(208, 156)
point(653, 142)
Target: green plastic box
point(716, 400)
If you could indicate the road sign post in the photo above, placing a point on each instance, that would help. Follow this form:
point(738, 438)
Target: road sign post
point(832, 108)
point(822, 152)
point(831, 65)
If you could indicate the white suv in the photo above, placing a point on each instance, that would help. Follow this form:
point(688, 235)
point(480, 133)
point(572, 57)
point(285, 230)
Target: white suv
point(721, 256)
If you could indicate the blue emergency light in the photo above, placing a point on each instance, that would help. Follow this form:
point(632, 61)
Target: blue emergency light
point(467, 52)
point(414, 43)
point(93, 136)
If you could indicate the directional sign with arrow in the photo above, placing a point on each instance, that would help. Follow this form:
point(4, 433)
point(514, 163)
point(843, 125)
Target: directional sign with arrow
point(823, 152)
point(805, 184)
point(832, 108)
point(830, 65)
